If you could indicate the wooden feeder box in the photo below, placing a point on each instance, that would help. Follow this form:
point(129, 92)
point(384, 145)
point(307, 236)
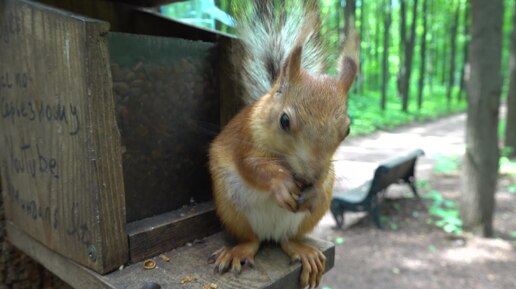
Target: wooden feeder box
point(107, 111)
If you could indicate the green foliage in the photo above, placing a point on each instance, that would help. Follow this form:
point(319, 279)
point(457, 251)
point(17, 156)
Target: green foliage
point(444, 213)
point(367, 116)
point(370, 16)
point(386, 220)
point(507, 166)
point(502, 124)
point(423, 184)
point(446, 164)
point(512, 189)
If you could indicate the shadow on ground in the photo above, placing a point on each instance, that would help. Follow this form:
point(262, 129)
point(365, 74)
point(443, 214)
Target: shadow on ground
point(410, 252)
point(414, 254)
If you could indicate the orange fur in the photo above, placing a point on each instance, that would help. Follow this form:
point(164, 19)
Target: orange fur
point(263, 168)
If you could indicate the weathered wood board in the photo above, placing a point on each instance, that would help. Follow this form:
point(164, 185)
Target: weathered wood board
point(272, 270)
point(272, 267)
point(167, 108)
point(151, 236)
point(128, 18)
point(60, 152)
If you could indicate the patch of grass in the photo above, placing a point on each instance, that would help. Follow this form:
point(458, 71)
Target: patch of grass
point(502, 123)
point(512, 188)
point(446, 164)
point(507, 166)
point(444, 213)
point(423, 184)
point(367, 116)
point(339, 240)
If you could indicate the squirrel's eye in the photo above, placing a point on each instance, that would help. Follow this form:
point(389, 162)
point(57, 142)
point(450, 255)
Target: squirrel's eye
point(348, 131)
point(285, 122)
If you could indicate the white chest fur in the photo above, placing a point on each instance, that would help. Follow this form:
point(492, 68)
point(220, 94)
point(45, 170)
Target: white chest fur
point(268, 220)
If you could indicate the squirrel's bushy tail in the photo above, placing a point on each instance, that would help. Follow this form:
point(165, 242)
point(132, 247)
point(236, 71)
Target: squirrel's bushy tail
point(269, 32)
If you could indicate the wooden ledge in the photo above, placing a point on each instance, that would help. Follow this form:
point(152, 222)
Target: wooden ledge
point(272, 270)
point(151, 236)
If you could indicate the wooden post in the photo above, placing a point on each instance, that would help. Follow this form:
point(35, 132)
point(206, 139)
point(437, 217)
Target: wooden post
point(60, 152)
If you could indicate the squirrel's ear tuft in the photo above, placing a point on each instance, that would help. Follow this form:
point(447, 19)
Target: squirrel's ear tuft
point(292, 66)
point(349, 60)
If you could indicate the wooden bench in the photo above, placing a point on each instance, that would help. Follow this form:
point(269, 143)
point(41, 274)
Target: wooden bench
point(365, 197)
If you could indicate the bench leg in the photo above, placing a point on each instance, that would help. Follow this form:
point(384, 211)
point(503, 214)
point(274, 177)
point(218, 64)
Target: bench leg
point(375, 216)
point(338, 215)
point(412, 183)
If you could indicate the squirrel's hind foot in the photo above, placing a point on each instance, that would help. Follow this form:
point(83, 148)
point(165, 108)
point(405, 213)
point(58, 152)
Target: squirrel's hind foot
point(313, 262)
point(242, 254)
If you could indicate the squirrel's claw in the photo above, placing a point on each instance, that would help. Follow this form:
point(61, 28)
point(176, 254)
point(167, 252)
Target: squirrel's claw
point(286, 193)
point(313, 262)
point(226, 259)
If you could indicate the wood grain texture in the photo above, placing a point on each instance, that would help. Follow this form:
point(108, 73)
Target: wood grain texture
point(272, 270)
point(60, 147)
point(231, 91)
point(79, 277)
point(152, 236)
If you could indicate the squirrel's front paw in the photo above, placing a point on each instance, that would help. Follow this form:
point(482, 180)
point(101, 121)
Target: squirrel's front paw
point(286, 193)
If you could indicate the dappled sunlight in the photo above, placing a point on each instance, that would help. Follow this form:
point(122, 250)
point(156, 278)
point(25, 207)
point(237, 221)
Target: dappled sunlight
point(480, 251)
point(415, 264)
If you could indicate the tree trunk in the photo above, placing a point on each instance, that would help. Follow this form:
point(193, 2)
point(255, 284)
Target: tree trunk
point(465, 63)
point(349, 15)
point(443, 58)
point(409, 49)
point(378, 32)
point(432, 50)
point(337, 19)
point(403, 40)
point(385, 61)
point(510, 129)
point(361, 74)
point(480, 170)
point(422, 72)
point(451, 76)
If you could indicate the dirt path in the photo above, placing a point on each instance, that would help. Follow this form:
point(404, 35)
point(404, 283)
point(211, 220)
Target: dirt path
point(411, 253)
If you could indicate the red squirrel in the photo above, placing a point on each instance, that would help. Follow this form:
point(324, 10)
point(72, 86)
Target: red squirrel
point(271, 166)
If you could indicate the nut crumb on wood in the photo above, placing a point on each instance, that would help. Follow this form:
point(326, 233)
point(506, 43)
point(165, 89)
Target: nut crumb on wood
point(210, 286)
point(164, 257)
point(187, 279)
point(149, 264)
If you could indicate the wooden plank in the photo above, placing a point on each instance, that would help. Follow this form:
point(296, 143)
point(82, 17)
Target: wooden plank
point(231, 91)
point(79, 277)
point(272, 269)
point(132, 19)
point(59, 146)
point(149, 3)
point(167, 104)
point(152, 236)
